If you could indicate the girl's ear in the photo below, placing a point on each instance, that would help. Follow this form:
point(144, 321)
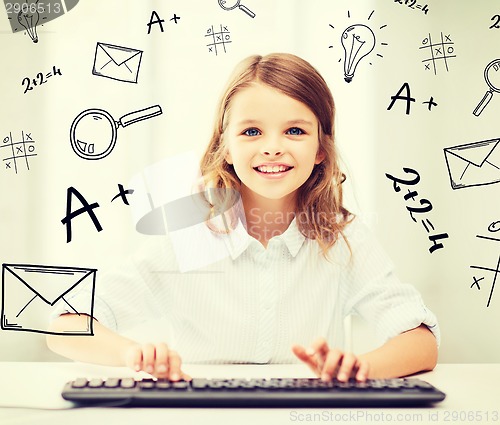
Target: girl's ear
point(227, 155)
point(320, 156)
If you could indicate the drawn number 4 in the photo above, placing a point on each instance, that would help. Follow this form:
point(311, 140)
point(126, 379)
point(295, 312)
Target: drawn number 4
point(495, 18)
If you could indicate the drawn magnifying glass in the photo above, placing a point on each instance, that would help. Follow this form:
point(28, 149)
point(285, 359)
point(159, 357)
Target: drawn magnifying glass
point(94, 131)
point(492, 77)
point(230, 5)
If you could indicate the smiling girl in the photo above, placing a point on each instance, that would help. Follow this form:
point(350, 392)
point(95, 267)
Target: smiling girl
point(303, 265)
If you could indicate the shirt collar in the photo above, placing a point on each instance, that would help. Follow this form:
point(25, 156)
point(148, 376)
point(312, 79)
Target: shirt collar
point(293, 238)
point(238, 240)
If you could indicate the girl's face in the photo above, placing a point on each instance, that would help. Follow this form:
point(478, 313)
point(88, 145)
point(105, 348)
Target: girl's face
point(272, 141)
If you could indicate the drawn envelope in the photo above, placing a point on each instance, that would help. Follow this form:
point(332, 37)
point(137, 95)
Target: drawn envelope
point(31, 292)
point(473, 164)
point(116, 62)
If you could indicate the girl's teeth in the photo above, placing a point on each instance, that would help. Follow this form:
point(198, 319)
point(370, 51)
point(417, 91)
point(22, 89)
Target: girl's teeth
point(273, 169)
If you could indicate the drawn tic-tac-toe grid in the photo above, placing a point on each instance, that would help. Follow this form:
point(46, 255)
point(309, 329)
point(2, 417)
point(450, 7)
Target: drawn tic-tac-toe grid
point(440, 51)
point(482, 272)
point(17, 152)
point(219, 39)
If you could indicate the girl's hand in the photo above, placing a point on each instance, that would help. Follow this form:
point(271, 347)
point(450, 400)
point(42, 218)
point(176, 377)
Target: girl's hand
point(327, 363)
point(156, 359)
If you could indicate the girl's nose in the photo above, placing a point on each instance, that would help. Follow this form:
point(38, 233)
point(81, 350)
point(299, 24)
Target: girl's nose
point(272, 152)
point(272, 147)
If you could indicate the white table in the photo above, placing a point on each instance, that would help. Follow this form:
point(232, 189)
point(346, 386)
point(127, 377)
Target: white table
point(473, 396)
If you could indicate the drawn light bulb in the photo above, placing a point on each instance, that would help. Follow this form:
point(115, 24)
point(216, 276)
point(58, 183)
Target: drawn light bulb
point(29, 20)
point(358, 41)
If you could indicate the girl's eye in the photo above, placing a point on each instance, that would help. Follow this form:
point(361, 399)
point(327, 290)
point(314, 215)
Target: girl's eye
point(294, 131)
point(252, 132)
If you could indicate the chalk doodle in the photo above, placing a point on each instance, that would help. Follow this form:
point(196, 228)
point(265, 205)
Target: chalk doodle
point(235, 4)
point(93, 132)
point(408, 99)
point(412, 4)
point(155, 19)
point(440, 52)
point(492, 228)
point(40, 79)
point(87, 208)
point(219, 40)
point(122, 193)
point(117, 62)
point(27, 15)
point(19, 151)
point(424, 207)
point(357, 41)
point(31, 293)
point(496, 23)
point(490, 73)
point(473, 164)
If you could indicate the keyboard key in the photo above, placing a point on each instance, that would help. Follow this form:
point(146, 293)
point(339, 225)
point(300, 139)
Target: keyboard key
point(246, 385)
point(377, 385)
point(343, 385)
point(95, 383)
point(79, 383)
point(147, 384)
point(199, 384)
point(163, 384)
point(179, 385)
point(127, 383)
point(112, 383)
point(424, 385)
point(215, 385)
point(231, 384)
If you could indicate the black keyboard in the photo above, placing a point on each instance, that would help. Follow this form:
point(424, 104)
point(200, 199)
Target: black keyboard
point(276, 392)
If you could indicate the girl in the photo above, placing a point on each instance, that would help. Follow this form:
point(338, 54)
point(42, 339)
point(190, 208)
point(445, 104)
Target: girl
point(301, 263)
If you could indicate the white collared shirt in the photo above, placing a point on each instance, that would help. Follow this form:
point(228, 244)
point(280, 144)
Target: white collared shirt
point(253, 305)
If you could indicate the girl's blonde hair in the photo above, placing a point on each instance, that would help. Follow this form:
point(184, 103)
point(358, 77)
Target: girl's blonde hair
point(319, 199)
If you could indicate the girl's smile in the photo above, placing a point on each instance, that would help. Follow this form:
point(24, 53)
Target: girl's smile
point(273, 170)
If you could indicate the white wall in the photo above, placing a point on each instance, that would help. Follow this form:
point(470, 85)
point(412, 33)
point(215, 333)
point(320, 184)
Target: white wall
point(180, 74)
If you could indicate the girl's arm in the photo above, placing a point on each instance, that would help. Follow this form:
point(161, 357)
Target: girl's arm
point(109, 348)
point(410, 352)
